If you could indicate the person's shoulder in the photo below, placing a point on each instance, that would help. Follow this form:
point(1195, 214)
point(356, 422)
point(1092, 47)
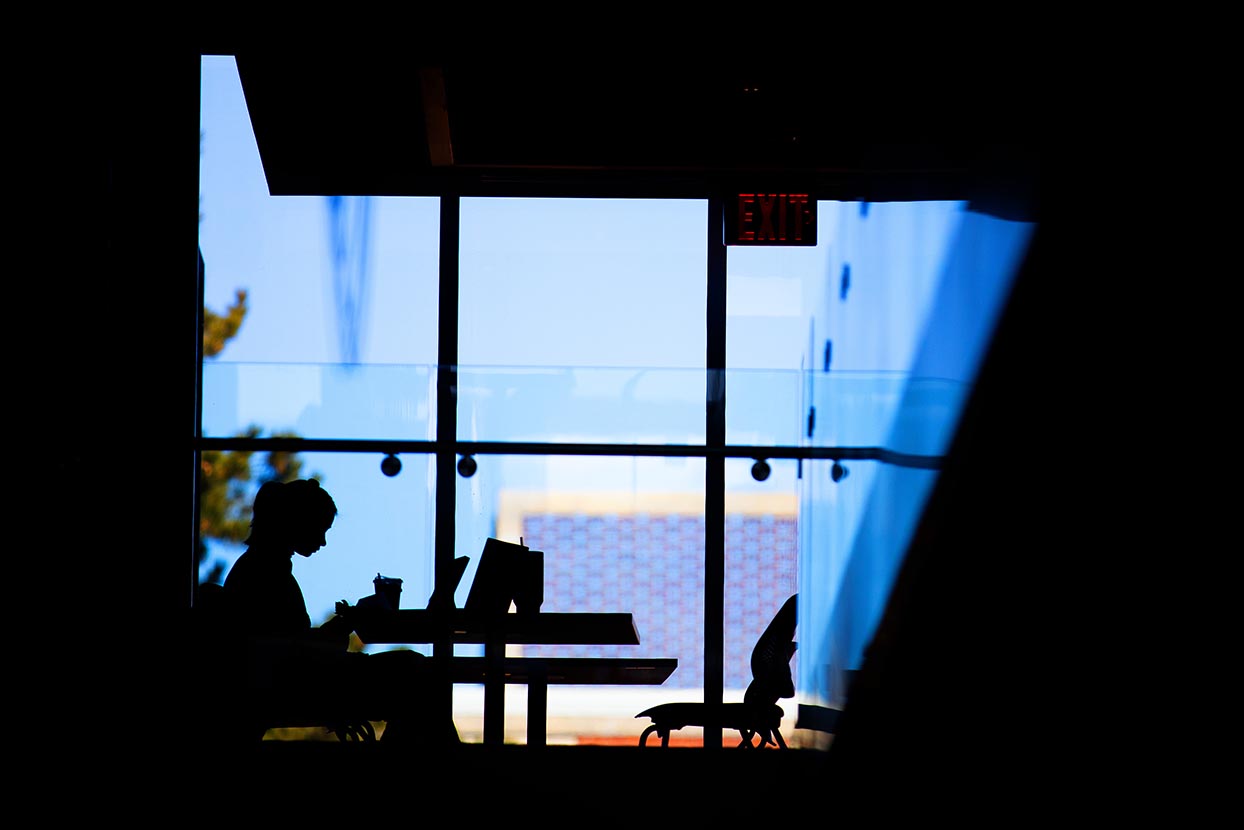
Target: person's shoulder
point(243, 566)
point(243, 561)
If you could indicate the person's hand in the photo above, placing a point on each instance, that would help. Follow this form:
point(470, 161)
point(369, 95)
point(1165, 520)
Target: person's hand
point(336, 630)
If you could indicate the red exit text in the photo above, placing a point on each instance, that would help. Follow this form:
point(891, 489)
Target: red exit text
point(771, 219)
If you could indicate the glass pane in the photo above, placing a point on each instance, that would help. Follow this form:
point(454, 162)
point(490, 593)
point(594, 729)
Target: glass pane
point(582, 405)
point(618, 535)
point(321, 282)
point(762, 572)
point(384, 524)
point(616, 286)
point(319, 401)
point(766, 407)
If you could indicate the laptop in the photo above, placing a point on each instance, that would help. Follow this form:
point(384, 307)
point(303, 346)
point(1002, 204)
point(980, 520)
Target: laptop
point(492, 590)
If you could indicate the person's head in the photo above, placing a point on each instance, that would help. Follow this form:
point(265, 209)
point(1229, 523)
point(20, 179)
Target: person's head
point(294, 515)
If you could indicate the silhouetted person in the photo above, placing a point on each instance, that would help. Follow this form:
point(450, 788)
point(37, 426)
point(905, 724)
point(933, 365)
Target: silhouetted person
point(288, 662)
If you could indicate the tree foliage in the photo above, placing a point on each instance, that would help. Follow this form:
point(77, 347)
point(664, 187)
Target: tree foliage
point(228, 479)
point(219, 329)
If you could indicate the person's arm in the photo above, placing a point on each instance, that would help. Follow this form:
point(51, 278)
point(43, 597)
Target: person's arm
point(337, 628)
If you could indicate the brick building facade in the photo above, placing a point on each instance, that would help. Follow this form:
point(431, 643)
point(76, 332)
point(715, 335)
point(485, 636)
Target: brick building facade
point(646, 555)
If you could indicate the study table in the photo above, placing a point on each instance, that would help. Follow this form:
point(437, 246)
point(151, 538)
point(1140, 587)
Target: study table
point(494, 670)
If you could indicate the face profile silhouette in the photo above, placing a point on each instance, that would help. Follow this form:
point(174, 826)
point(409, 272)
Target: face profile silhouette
point(293, 516)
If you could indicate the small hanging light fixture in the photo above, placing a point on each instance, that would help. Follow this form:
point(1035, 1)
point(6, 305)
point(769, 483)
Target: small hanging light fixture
point(391, 465)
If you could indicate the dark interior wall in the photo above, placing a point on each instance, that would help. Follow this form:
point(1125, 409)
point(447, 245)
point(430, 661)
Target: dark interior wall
point(957, 698)
point(154, 254)
point(166, 168)
point(114, 379)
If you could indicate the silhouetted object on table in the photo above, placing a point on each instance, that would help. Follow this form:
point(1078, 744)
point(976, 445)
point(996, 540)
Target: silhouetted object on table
point(758, 714)
point(442, 598)
point(507, 573)
point(272, 668)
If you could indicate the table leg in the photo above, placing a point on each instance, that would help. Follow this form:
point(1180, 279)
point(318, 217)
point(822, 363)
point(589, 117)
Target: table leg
point(494, 693)
point(443, 684)
point(537, 707)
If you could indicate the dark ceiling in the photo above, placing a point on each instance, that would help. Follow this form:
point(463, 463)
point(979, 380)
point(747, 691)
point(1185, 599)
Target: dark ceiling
point(423, 126)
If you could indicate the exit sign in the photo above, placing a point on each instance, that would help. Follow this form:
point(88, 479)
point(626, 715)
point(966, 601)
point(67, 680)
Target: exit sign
point(768, 218)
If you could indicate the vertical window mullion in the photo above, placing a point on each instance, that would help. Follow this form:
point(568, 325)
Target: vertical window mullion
point(715, 472)
point(446, 422)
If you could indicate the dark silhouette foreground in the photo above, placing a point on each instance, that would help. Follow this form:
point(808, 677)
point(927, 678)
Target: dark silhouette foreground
point(268, 666)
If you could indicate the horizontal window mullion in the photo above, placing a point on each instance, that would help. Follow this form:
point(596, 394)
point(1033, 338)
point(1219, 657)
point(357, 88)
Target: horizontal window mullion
point(881, 454)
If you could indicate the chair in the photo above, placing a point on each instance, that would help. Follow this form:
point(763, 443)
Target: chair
point(758, 715)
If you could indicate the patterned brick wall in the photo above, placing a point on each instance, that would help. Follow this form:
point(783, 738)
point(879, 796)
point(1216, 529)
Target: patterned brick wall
point(652, 565)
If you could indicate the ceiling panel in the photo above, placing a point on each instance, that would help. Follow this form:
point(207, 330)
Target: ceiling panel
point(416, 124)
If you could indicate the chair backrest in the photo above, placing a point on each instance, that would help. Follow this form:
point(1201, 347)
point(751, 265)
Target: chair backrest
point(210, 613)
point(771, 677)
point(216, 658)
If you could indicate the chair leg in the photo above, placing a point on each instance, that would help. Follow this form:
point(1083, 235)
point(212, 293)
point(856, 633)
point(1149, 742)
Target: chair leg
point(361, 731)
